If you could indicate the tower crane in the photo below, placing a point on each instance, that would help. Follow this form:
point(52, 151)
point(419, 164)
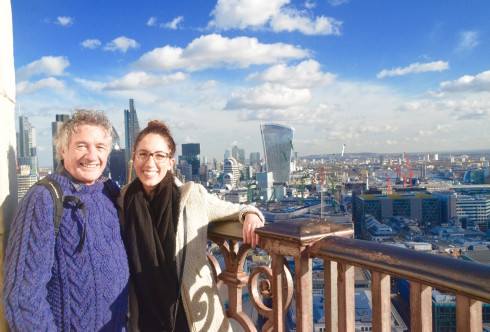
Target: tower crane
point(410, 170)
point(389, 185)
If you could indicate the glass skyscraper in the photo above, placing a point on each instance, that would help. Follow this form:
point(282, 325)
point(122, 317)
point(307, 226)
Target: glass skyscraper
point(278, 146)
point(55, 127)
point(192, 153)
point(131, 129)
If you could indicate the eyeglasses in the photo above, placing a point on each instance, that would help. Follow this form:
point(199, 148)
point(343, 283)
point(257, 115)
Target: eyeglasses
point(158, 156)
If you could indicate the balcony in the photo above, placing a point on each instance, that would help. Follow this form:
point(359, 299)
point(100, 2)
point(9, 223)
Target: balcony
point(304, 239)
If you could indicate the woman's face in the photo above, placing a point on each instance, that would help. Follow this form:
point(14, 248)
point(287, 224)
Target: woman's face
point(152, 160)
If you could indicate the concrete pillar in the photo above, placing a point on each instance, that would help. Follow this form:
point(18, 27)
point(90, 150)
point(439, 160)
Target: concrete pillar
point(8, 174)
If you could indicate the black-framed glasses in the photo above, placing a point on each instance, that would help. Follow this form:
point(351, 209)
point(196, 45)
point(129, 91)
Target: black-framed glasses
point(158, 156)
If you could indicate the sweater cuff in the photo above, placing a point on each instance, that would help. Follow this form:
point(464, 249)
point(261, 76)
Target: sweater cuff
point(251, 210)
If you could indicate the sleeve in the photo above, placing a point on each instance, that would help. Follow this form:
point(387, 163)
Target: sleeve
point(28, 262)
point(219, 210)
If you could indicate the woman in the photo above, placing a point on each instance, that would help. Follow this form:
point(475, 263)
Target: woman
point(165, 222)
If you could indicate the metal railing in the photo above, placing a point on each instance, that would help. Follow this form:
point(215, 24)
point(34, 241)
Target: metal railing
point(304, 239)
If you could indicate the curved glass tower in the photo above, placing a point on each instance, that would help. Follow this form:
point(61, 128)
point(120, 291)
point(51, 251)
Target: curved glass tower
point(278, 146)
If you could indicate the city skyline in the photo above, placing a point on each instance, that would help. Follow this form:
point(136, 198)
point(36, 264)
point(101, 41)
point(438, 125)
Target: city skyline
point(380, 77)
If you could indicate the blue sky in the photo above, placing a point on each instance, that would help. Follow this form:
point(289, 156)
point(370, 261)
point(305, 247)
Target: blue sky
point(378, 76)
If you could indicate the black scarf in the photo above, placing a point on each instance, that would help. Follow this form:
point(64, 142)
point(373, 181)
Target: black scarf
point(150, 225)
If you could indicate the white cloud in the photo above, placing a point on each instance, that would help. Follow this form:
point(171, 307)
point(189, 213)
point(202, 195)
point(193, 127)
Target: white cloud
point(242, 14)
point(48, 65)
point(152, 21)
point(212, 51)
point(121, 44)
point(310, 4)
point(91, 43)
point(468, 83)
point(292, 20)
point(468, 40)
point(64, 21)
point(137, 80)
point(305, 75)
point(415, 68)
point(173, 25)
point(267, 96)
point(25, 87)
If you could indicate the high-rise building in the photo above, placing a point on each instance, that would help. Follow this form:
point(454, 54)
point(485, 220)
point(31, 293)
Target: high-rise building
point(254, 158)
point(26, 145)
point(278, 146)
point(55, 128)
point(132, 129)
point(192, 153)
point(231, 174)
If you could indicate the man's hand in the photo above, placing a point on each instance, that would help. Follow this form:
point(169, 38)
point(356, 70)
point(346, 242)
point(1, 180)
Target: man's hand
point(251, 222)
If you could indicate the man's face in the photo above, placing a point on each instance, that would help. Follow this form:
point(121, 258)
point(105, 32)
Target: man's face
point(86, 156)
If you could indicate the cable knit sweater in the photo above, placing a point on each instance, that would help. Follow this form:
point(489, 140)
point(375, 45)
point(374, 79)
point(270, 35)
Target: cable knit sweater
point(51, 286)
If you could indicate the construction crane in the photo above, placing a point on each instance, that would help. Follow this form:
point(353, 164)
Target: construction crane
point(410, 170)
point(322, 183)
point(389, 185)
point(398, 171)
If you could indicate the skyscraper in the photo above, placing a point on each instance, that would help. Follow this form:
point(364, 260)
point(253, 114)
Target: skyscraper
point(192, 153)
point(117, 160)
point(131, 129)
point(26, 149)
point(55, 127)
point(278, 146)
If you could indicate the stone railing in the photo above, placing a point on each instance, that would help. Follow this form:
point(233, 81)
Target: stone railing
point(304, 239)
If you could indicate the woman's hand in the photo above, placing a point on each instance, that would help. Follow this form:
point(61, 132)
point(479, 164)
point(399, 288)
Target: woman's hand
point(250, 223)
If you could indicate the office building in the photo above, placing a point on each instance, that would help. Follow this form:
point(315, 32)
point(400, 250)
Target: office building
point(25, 179)
point(254, 158)
point(421, 207)
point(131, 129)
point(278, 145)
point(26, 145)
point(191, 152)
point(231, 176)
point(474, 210)
point(448, 205)
point(55, 128)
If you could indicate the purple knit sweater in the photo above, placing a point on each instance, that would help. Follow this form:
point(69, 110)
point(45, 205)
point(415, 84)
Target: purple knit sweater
point(48, 286)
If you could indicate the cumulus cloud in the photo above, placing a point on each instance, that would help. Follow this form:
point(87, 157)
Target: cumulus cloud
point(415, 68)
point(173, 25)
point(47, 65)
point(305, 75)
point(468, 83)
point(268, 96)
point(25, 87)
point(292, 20)
point(152, 21)
point(468, 40)
point(136, 80)
point(64, 21)
point(121, 44)
point(91, 43)
point(212, 51)
point(242, 14)
point(310, 4)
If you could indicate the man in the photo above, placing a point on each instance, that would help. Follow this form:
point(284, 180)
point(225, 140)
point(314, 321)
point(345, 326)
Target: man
point(76, 280)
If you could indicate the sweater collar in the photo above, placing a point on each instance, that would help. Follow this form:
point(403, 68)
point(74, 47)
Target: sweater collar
point(77, 184)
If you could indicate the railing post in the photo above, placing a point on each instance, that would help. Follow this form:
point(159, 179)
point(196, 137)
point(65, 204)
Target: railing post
point(468, 314)
point(420, 307)
point(330, 296)
point(346, 298)
point(303, 292)
point(381, 301)
point(277, 291)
